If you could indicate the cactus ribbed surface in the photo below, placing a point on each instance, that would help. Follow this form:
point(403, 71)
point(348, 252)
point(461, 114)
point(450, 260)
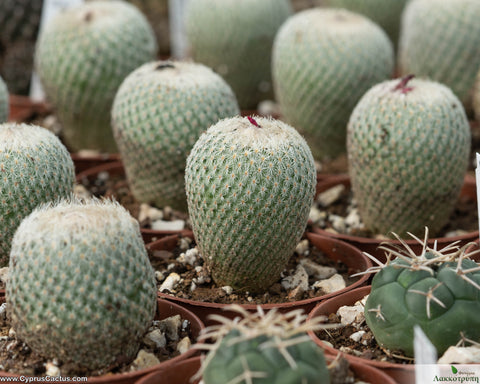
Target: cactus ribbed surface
point(387, 14)
point(158, 114)
point(36, 168)
point(323, 61)
point(4, 101)
point(83, 54)
point(439, 291)
point(408, 146)
point(250, 183)
point(439, 40)
point(260, 348)
point(81, 288)
point(235, 39)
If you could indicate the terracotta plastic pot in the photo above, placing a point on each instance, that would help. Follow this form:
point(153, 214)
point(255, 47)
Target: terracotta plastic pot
point(84, 162)
point(116, 169)
point(370, 245)
point(22, 108)
point(401, 373)
point(333, 248)
point(165, 309)
point(185, 370)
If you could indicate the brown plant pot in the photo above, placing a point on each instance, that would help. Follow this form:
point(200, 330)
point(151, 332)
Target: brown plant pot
point(165, 309)
point(22, 108)
point(116, 169)
point(333, 248)
point(401, 373)
point(185, 370)
point(370, 245)
point(83, 162)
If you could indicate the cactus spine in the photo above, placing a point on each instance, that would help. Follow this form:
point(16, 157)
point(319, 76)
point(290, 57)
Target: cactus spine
point(269, 348)
point(439, 40)
point(323, 61)
point(235, 39)
point(250, 185)
point(158, 114)
point(82, 57)
point(36, 168)
point(408, 148)
point(437, 290)
point(81, 288)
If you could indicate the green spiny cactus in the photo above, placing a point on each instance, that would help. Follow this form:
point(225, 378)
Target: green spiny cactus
point(408, 147)
point(323, 61)
point(81, 288)
point(35, 168)
point(261, 348)
point(437, 290)
point(387, 14)
point(82, 56)
point(250, 185)
point(4, 101)
point(158, 114)
point(439, 40)
point(235, 39)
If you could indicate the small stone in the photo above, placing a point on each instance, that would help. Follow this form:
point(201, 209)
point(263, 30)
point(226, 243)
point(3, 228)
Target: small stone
point(317, 271)
point(338, 223)
point(299, 278)
point(80, 191)
point(163, 225)
point(143, 360)
point(357, 336)
point(149, 213)
point(317, 216)
point(184, 345)
point(171, 326)
point(330, 196)
point(159, 275)
point(189, 257)
point(228, 290)
point(11, 333)
point(302, 247)
point(51, 369)
point(155, 338)
point(461, 355)
point(332, 284)
point(296, 294)
point(184, 243)
point(353, 219)
point(170, 282)
point(350, 314)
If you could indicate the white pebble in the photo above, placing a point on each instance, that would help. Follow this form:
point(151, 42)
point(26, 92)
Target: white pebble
point(148, 212)
point(330, 196)
point(155, 338)
point(189, 257)
point(332, 284)
point(353, 219)
point(350, 314)
point(357, 336)
point(299, 278)
point(461, 355)
point(338, 223)
point(302, 247)
point(160, 276)
point(143, 360)
point(228, 290)
point(184, 345)
point(170, 282)
point(317, 271)
point(51, 369)
point(316, 216)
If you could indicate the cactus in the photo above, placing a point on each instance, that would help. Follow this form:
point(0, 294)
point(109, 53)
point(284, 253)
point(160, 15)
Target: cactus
point(439, 40)
point(4, 102)
point(387, 14)
point(82, 56)
point(81, 288)
point(36, 168)
point(235, 39)
point(269, 348)
point(408, 145)
point(436, 290)
point(250, 185)
point(323, 61)
point(158, 114)
point(19, 25)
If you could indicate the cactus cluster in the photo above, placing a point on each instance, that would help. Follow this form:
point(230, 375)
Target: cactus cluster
point(81, 288)
point(250, 184)
point(82, 56)
point(158, 114)
point(261, 348)
point(35, 168)
point(408, 145)
point(323, 60)
point(436, 289)
point(439, 40)
point(235, 39)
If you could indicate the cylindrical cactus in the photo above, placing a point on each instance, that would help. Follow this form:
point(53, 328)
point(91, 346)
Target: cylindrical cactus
point(250, 185)
point(387, 14)
point(158, 114)
point(36, 168)
point(324, 59)
point(235, 39)
point(82, 56)
point(4, 101)
point(436, 290)
point(81, 288)
point(269, 348)
point(408, 147)
point(439, 40)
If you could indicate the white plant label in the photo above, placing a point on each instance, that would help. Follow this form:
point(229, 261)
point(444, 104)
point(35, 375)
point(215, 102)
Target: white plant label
point(50, 9)
point(425, 357)
point(477, 178)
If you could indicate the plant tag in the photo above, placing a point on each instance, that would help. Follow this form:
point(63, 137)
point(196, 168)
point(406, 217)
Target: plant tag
point(178, 37)
point(477, 178)
point(425, 357)
point(50, 8)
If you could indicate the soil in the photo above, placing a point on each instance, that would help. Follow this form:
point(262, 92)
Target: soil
point(167, 262)
point(366, 348)
point(17, 358)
